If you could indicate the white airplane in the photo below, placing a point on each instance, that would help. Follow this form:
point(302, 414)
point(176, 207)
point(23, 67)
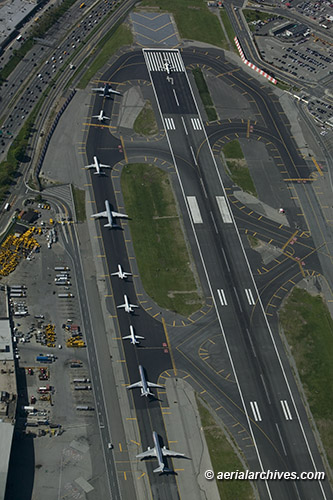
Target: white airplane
point(133, 337)
point(127, 306)
point(109, 214)
point(144, 384)
point(120, 273)
point(97, 165)
point(101, 116)
point(167, 66)
point(106, 90)
point(159, 453)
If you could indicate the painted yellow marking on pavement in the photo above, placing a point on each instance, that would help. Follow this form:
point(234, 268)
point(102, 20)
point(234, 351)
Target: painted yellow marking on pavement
point(120, 447)
point(289, 240)
point(317, 166)
point(123, 146)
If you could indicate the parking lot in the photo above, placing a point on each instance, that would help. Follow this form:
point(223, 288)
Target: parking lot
point(55, 394)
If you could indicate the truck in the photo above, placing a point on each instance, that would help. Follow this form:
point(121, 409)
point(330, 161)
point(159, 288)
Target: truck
point(18, 287)
point(44, 359)
point(65, 295)
point(81, 380)
point(82, 387)
point(62, 283)
point(61, 268)
point(85, 408)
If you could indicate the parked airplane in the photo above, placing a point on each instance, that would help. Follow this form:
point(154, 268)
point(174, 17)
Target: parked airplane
point(159, 453)
point(133, 337)
point(167, 66)
point(144, 384)
point(127, 306)
point(101, 116)
point(109, 214)
point(120, 273)
point(97, 165)
point(107, 90)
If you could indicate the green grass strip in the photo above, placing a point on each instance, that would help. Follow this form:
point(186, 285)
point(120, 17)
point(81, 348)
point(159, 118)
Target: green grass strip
point(145, 123)
point(228, 27)
point(158, 239)
point(193, 19)
point(308, 327)
point(117, 37)
point(233, 150)
point(223, 458)
point(204, 94)
point(79, 202)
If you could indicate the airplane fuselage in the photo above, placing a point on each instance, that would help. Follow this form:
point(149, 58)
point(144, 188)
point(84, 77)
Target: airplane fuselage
point(108, 211)
point(97, 165)
point(158, 451)
point(144, 389)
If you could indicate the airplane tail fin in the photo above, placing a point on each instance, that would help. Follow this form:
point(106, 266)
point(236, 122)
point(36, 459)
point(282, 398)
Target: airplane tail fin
point(162, 468)
point(108, 225)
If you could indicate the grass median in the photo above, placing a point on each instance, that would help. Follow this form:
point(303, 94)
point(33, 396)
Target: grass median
point(237, 167)
point(223, 458)
point(308, 327)
point(204, 94)
point(162, 255)
point(145, 123)
point(229, 29)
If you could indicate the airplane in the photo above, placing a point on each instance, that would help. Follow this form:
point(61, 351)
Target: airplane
point(127, 306)
point(159, 453)
point(101, 116)
point(144, 384)
point(120, 273)
point(97, 165)
point(110, 215)
point(167, 66)
point(107, 90)
point(133, 337)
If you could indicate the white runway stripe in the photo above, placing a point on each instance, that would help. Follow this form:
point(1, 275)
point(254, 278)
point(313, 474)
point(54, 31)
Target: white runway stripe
point(286, 410)
point(222, 204)
point(169, 123)
point(194, 209)
point(249, 297)
point(256, 412)
point(222, 298)
point(196, 124)
point(156, 59)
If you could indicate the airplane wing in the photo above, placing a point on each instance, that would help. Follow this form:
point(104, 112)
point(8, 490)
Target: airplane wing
point(104, 166)
point(117, 214)
point(121, 306)
point(99, 89)
point(100, 214)
point(146, 454)
point(90, 166)
point(151, 384)
point(133, 386)
point(170, 453)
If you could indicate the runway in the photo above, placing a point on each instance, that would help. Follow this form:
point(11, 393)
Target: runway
point(266, 397)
